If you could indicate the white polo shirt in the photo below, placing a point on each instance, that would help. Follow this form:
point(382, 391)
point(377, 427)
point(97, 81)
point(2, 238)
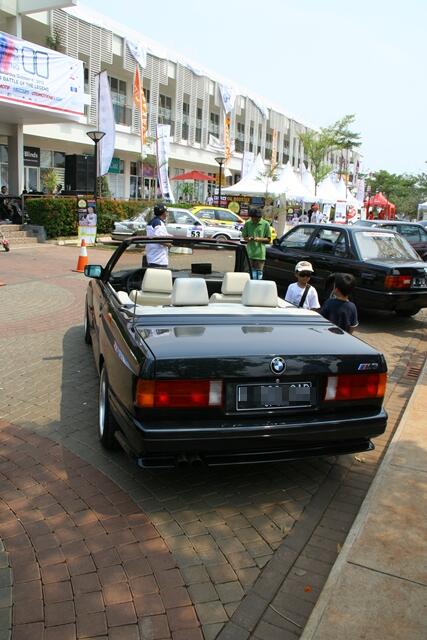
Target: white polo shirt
point(157, 253)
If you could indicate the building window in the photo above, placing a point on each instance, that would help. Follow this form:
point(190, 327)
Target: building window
point(240, 138)
point(214, 124)
point(185, 120)
point(135, 181)
point(251, 137)
point(199, 114)
point(165, 111)
point(86, 80)
point(122, 113)
point(4, 179)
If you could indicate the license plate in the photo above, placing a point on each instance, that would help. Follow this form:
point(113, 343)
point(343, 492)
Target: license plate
point(419, 283)
point(274, 396)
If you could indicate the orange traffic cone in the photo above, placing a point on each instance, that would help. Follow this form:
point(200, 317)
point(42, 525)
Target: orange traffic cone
point(82, 261)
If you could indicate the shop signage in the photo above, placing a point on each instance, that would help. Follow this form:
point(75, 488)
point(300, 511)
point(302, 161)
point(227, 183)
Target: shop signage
point(114, 166)
point(33, 76)
point(31, 156)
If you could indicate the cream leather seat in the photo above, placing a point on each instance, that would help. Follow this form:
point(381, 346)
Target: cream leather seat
point(231, 288)
point(190, 292)
point(260, 293)
point(156, 288)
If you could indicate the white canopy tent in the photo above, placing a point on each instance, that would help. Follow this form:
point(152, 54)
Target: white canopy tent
point(289, 183)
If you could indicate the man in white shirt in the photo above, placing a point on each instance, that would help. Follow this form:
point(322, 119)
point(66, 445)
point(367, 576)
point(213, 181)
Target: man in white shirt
point(301, 293)
point(157, 255)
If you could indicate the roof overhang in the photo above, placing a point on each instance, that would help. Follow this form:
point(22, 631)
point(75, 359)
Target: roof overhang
point(34, 6)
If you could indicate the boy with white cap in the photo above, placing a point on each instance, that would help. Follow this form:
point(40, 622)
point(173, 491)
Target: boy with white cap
point(302, 293)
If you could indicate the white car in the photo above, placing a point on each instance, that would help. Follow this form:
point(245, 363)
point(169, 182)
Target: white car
point(180, 223)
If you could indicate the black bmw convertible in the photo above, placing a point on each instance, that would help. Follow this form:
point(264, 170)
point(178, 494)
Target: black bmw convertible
point(199, 364)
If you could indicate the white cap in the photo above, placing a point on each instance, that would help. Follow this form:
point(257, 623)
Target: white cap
point(303, 265)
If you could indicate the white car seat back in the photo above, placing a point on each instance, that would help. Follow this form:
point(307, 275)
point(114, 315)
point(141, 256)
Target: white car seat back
point(231, 288)
point(260, 293)
point(189, 292)
point(156, 288)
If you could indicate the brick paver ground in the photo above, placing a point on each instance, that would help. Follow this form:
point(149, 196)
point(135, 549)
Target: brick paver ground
point(246, 550)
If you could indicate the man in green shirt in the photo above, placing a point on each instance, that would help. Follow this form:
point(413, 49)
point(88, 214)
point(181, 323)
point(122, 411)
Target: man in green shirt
point(257, 232)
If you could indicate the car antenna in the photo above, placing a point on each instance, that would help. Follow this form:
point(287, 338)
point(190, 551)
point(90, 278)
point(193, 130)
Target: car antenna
point(134, 312)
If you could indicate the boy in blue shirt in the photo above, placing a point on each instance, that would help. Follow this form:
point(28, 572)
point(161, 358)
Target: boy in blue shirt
point(339, 309)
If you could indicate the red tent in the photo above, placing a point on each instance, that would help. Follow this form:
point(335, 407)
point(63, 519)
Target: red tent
point(193, 175)
point(387, 208)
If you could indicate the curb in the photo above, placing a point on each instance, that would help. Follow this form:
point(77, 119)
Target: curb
point(326, 595)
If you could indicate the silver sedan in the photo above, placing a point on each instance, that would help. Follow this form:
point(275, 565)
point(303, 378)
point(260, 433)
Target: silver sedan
point(180, 223)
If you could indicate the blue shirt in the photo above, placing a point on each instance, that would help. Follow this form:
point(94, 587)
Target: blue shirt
point(343, 313)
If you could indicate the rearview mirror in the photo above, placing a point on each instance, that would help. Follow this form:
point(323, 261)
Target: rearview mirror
point(93, 271)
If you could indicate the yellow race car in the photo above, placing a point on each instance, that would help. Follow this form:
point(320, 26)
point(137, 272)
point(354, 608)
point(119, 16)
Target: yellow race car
point(217, 215)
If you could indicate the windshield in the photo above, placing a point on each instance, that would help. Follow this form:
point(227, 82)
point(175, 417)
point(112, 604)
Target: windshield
point(384, 246)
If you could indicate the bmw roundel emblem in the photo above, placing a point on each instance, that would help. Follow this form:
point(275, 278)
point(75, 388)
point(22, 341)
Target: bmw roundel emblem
point(277, 365)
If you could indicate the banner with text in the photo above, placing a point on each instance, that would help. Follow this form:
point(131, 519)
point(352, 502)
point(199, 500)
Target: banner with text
point(162, 149)
point(31, 75)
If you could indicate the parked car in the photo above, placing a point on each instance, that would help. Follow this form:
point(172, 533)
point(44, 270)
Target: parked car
point(414, 232)
point(221, 216)
point(389, 274)
point(180, 223)
point(187, 377)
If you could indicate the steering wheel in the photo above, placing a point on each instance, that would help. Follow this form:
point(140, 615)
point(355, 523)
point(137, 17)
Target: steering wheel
point(133, 280)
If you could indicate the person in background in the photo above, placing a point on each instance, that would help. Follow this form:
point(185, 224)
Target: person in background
point(339, 309)
point(157, 255)
point(301, 293)
point(209, 200)
point(257, 232)
point(304, 217)
point(295, 218)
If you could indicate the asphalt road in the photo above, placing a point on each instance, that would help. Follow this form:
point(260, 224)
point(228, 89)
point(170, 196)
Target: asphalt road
point(254, 545)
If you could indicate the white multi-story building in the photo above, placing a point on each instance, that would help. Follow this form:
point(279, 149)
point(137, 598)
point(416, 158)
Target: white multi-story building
point(177, 92)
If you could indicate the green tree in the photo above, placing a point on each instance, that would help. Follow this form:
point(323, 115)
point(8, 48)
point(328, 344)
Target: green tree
point(317, 144)
point(405, 191)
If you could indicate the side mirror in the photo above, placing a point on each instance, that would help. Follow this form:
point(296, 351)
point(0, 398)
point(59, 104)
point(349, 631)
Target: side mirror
point(93, 271)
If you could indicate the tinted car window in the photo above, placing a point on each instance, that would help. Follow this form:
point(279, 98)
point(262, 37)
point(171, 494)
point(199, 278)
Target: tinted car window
point(329, 241)
point(206, 213)
point(297, 238)
point(412, 233)
point(226, 215)
point(182, 217)
point(383, 246)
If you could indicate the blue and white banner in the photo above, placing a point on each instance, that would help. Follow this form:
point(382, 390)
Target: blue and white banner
point(228, 96)
point(106, 123)
point(162, 148)
point(36, 77)
point(247, 163)
point(138, 52)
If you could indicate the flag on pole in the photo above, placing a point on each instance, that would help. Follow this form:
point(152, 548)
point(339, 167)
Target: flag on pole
point(106, 123)
point(227, 140)
point(141, 104)
point(274, 150)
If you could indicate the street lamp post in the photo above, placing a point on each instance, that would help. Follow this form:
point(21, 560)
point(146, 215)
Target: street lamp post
point(96, 137)
point(220, 161)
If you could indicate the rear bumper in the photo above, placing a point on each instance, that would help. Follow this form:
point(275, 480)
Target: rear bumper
point(391, 300)
point(265, 441)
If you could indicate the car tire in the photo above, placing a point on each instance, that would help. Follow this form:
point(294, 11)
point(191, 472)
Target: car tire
point(107, 425)
point(221, 237)
point(407, 313)
point(88, 337)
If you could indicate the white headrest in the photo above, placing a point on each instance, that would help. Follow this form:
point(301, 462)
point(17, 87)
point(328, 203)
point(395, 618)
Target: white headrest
point(260, 293)
point(189, 292)
point(234, 283)
point(158, 280)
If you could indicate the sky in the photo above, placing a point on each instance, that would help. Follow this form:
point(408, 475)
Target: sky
point(318, 59)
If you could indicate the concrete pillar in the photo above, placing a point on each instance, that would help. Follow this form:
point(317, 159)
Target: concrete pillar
point(14, 26)
point(15, 144)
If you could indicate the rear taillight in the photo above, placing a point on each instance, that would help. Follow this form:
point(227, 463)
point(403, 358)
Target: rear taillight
point(178, 394)
point(357, 386)
point(397, 282)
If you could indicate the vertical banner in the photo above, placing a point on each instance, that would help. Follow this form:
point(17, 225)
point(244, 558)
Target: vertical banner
point(227, 140)
point(340, 212)
point(162, 150)
point(274, 150)
point(247, 162)
point(106, 123)
point(360, 196)
point(326, 212)
point(141, 104)
point(86, 211)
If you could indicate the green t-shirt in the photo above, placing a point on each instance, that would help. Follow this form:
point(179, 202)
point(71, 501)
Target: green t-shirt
point(260, 229)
